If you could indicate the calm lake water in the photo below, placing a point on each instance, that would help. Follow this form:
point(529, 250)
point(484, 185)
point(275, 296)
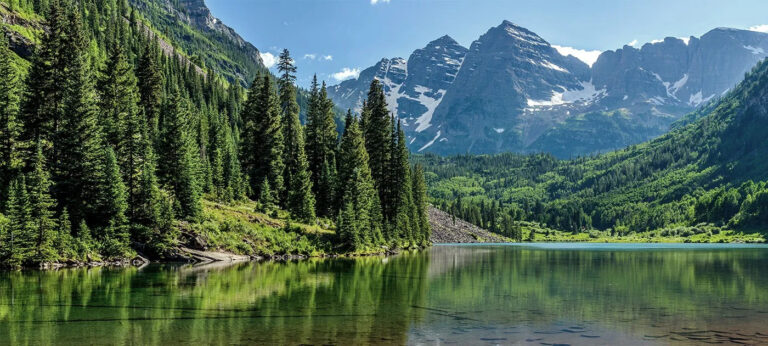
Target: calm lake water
point(588, 294)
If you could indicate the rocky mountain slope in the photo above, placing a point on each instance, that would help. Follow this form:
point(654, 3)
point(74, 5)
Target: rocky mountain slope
point(207, 41)
point(446, 229)
point(513, 91)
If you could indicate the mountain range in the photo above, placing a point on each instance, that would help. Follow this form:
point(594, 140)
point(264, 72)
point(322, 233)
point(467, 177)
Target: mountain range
point(511, 90)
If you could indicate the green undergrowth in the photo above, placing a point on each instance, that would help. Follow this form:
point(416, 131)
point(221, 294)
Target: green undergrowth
point(239, 229)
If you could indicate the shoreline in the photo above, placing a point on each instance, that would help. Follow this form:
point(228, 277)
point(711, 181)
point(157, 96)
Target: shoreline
point(198, 257)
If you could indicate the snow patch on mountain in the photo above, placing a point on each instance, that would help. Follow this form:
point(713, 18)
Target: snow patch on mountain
point(430, 142)
point(697, 99)
point(587, 94)
point(672, 88)
point(423, 122)
point(393, 94)
point(513, 31)
point(550, 65)
point(656, 100)
point(679, 84)
point(755, 50)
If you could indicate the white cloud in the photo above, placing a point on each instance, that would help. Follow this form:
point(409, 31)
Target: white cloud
point(685, 39)
point(328, 57)
point(310, 56)
point(374, 2)
point(346, 73)
point(759, 28)
point(587, 56)
point(268, 58)
point(632, 43)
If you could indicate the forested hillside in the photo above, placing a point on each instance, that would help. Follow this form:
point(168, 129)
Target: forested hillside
point(112, 144)
point(704, 177)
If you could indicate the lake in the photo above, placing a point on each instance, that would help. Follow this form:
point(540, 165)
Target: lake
point(530, 294)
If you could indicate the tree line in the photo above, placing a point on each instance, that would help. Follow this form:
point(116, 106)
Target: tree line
point(107, 141)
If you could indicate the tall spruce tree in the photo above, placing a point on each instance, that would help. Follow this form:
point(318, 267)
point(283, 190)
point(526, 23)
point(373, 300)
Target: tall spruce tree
point(150, 82)
point(362, 225)
point(178, 158)
point(64, 243)
point(17, 244)
point(285, 82)
point(262, 140)
point(112, 205)
point(42, 207)
point(400, 183)
point(314, 144)
point(9, 122)
point(118, 95)
point(217, 151)
point(299, 200)
point(420, 201)
point(377, 131)
point(44, 97)
point(77, 142)
point(327, 188)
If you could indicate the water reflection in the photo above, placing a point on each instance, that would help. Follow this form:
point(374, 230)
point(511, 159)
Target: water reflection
point(464, 295)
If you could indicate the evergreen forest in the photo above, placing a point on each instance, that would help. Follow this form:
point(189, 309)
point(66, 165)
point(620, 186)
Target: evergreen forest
point(114, 145)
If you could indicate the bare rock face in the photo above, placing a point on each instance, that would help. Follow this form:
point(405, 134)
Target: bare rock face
point(446, 229)
point(513, 91)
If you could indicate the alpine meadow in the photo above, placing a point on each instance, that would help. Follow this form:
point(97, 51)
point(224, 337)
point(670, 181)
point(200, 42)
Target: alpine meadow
point(164, 181)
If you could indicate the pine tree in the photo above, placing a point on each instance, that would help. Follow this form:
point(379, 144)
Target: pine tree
point(17, 244)
point(327, 130)
point(400, 182)
point(134, 156)
point(123, 122)
point(84, 240)
point(232, 171)
point(64, 243)
point(112, 204)
point(327, 188)
point(153, 221)
point(285, 82)
point(300, 201)
point(321, 146)
point(9, 123)
point(314, 144)
point(150, 82)
point(77, 142)
point(420, 201)
point(45, 93)
point(347, 225)
point(266, 201)
point(217, 152)
point(356, 188)
point(118, 96)
point(42, 211)
point(178, 158)
point(377, 131)
point(262, 145)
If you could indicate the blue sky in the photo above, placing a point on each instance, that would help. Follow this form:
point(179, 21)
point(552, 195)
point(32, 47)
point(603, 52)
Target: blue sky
point(337, 38)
